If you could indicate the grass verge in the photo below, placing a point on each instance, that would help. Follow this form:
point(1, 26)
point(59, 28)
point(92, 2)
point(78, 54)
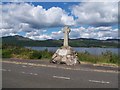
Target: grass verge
point(25, 53)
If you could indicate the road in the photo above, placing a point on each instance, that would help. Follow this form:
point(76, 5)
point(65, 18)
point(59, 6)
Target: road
point(38, 74)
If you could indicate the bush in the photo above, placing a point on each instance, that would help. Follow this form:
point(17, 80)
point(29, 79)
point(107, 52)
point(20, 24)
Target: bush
point(24, 53)
point(106, 57)
point(111, 57)
point(35, 55)
point(6, 54)
point(87, 57)
point(46, 54)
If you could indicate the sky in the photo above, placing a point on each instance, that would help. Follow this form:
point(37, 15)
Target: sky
point(45, 20)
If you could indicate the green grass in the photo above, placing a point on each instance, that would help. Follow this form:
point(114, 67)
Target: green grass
point(106, 57)
point(0, 54)
point(24, 53)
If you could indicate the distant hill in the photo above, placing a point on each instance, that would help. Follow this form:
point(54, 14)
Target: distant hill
point(79, 42)
point(15, 38)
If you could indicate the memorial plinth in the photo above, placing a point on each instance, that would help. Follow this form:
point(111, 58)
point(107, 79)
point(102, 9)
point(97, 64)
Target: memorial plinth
point(65, 54)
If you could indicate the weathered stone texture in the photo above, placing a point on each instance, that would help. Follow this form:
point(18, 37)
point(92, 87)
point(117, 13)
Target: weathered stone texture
point(65, 55)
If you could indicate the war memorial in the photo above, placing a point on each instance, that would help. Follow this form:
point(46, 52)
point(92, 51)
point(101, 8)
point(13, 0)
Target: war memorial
point(65, 54)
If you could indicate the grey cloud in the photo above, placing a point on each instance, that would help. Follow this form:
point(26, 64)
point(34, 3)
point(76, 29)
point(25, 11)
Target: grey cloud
point(24, 17)
point(38, 17)
point(94, 32)
point(57, 35)
point(96, 13)
point(28, 17)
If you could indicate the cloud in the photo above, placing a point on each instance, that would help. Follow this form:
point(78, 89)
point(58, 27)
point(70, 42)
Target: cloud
point(38, 35)
point(42, 35)
point(101, 33)
point(57, 35)
point(37, 16)
point(96, 13)
point(8, 32)
point(35, 21)
point(28, 17)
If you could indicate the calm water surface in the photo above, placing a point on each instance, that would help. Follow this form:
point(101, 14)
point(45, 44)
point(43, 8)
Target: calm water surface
point(94, 51)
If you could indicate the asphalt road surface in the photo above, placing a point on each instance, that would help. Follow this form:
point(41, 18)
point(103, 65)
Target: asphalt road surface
point(40, 74)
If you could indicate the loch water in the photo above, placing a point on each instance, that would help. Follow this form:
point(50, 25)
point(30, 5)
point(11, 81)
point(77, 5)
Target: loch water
point(93, 50)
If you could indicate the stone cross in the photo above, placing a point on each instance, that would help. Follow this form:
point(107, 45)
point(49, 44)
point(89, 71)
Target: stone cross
point(66, 32)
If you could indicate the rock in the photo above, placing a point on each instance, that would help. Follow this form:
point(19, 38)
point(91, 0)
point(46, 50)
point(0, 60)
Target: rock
point(64, 58)
point(65, 55)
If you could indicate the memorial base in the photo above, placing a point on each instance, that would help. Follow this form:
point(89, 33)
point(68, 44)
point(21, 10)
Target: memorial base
point(65, 55)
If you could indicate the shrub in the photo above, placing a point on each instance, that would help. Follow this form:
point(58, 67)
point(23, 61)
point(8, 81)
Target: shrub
point(106, 57)
point(87, 57)
point(111, 57)
point(6, 54)
point(46, 54)
point(24, 53)
point(35, 55)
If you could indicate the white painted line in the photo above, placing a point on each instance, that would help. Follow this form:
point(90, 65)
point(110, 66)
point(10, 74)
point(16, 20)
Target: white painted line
point(24, 66)
point(31, 73)
point(4, 70)
point(9, 70)
point(61, 77)
point(23, 72)
point(104, 82)
point(35, 74)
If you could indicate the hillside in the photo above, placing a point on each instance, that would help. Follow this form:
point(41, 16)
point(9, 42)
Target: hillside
point(80, 42)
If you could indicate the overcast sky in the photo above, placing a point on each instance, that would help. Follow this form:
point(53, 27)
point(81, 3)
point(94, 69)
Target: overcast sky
point(41, 21)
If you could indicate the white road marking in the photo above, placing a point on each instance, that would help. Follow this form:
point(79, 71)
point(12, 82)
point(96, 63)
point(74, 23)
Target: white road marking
point(31, 73)
point(23, 72)
point(9, 70)
point(24, 66)
point(4, 70)
point(95, 81)
point(61, 77)
point(35, 74)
